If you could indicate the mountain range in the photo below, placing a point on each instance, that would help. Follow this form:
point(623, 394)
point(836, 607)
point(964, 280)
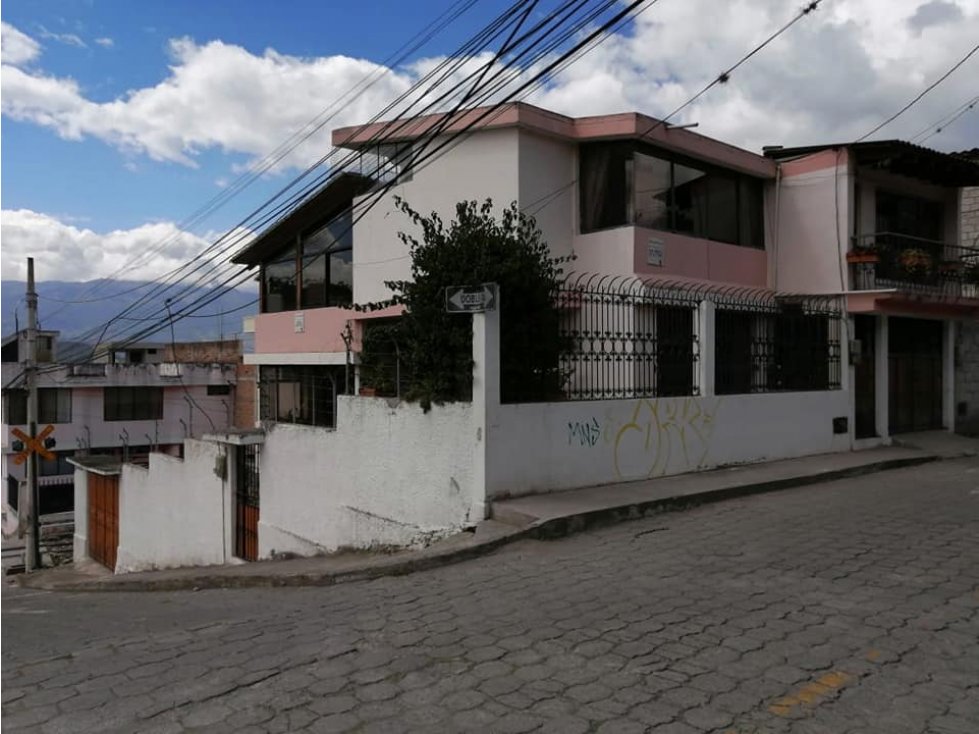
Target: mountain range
point(74, 308)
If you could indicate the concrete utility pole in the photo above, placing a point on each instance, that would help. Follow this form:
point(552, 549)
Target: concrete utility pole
point(32, 555)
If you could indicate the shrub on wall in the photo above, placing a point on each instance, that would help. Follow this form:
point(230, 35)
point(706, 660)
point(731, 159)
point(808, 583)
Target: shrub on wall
point(436, 347)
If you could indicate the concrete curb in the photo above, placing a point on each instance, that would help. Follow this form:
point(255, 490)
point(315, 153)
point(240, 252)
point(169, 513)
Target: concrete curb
point(546, 529)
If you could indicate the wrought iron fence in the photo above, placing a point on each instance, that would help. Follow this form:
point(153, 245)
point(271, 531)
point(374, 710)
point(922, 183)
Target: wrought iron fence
point(627, 338)
point(767, 343)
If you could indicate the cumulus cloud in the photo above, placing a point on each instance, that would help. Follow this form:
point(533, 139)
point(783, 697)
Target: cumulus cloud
point(833, 76)
point(105, 42)
point(17, 47)
point(62, 251)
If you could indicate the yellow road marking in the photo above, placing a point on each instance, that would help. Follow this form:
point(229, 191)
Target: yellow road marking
point(811, 693)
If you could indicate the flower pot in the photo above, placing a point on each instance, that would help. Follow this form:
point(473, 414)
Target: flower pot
point(862, 257)
point(368, 392)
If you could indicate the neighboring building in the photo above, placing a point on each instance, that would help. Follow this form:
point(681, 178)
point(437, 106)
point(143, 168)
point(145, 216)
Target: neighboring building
point(967, 338)
point(141, 398)
point(911, 282)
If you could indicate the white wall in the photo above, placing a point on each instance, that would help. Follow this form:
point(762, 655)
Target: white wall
point(175, 512)
point(548, 190)
point(480, 166)
point(80, 548)
point(551, 446)
point(387, 476)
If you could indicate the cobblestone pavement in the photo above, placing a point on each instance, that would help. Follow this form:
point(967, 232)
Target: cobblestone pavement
point(848, 607)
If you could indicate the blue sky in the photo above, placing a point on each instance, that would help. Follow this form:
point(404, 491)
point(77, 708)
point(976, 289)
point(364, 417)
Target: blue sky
point(120, 118)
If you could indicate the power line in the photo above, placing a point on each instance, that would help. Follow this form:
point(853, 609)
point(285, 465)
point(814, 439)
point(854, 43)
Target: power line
point(549, 68)
point(946, 123)
point(725, 76)
point(927, 89)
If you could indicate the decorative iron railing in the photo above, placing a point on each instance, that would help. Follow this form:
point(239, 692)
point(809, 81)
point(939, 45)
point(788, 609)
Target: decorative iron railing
point(625, 337)
point(885, 260)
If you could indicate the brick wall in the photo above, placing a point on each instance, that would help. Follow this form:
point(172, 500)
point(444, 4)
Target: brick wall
point(967, 335)
point(227, 351)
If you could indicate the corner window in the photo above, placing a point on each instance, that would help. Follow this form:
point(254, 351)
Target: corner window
point(633, 183)
point(317, 272)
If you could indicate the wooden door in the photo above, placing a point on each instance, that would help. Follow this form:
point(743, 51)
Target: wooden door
point(247, 503)
point(103, 519)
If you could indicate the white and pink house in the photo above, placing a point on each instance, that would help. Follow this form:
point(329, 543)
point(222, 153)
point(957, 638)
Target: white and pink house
point(765, 307)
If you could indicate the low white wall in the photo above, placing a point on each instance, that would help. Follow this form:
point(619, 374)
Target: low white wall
point(173, 513)
point(80, 545)
point(386, 476)
point(551, 446)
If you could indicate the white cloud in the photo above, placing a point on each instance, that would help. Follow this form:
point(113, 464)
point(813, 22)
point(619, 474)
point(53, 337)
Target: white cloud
point(69, 39)
point(17, 47)
point(62, 251)
point(105, 42)
point(833, 76)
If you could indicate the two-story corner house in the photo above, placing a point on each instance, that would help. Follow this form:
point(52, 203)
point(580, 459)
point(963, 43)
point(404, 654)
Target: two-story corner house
point(624, 194)
point(878, 222)
point(137, 398)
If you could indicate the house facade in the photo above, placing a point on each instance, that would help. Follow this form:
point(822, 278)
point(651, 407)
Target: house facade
point(137, 399)
point(726, 307)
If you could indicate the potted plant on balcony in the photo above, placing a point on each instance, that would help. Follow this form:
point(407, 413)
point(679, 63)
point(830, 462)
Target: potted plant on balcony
point(863, 254)
point(915, 262)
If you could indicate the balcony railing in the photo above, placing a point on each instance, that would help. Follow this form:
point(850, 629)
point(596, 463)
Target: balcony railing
point(886, 260)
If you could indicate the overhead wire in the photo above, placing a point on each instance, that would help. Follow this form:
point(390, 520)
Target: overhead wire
point(548, 68)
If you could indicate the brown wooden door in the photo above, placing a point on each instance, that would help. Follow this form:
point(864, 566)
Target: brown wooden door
point(103, 519)
point(247, 503)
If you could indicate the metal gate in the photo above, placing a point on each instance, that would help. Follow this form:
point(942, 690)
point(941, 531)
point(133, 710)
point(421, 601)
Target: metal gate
point(246, 503)
point(915, 374)
point(103, 519)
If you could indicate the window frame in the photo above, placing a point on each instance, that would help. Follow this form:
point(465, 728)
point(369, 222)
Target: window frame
point(748, 215)
point(114, 411)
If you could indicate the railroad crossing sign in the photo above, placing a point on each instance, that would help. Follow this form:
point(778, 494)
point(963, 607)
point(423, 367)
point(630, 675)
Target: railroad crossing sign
point(470, 299)
point(39, 443)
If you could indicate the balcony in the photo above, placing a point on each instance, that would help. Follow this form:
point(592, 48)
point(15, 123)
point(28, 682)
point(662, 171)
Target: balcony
point(889, 261)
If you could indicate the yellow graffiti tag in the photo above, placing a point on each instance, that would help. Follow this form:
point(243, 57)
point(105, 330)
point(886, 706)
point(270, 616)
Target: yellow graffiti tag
point(668, 434)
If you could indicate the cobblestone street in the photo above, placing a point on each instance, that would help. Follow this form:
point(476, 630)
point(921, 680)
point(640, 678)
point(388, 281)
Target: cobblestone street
point(846, 607)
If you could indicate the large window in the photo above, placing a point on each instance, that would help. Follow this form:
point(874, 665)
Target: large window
point(133, 404)
point(910, 215)
point(632, 183)
point(305, 395)
point(53, 406)
point(317, 272)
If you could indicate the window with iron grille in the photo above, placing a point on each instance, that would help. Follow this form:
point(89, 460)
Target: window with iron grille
point(628, 344)
point(784, 348)
point(301, 394)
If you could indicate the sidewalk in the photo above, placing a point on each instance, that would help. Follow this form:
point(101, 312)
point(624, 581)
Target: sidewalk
point(533, 517)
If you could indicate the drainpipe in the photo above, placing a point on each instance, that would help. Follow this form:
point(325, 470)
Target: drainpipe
point(125, 445)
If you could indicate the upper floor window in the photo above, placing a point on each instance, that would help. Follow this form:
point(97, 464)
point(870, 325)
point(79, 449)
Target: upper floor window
point(133, 404)
point(910, 215)
point(53, 406)
point(625, 183)
point(317, 271)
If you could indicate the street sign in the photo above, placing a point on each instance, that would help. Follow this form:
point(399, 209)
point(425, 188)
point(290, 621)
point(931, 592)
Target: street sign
point(37, 443)
point(470, 299)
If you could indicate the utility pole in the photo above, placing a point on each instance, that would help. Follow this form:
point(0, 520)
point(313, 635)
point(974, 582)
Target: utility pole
point(32, 556)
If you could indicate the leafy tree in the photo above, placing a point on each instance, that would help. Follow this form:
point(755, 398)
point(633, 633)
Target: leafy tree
point(475, 248)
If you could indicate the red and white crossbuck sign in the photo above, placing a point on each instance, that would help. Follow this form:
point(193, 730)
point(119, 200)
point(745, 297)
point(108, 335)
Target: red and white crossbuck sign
point(33, 444)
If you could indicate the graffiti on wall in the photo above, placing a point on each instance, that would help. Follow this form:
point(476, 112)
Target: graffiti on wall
point(651, 437)
point(665, 436)
point(584, 433)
